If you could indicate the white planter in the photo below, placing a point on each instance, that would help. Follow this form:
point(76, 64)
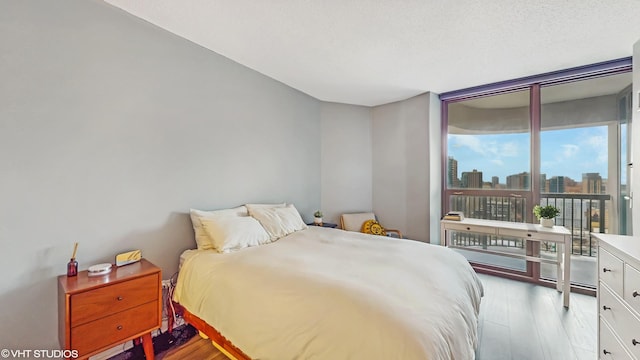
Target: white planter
point(317, 221)
point(547, 222)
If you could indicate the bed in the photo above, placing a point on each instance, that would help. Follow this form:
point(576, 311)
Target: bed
point(321, 293)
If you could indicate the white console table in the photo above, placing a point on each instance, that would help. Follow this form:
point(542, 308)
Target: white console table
point(525, 231)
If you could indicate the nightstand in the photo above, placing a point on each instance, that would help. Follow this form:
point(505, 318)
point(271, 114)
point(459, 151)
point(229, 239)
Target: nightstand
point(99, 312)
point(324, 224)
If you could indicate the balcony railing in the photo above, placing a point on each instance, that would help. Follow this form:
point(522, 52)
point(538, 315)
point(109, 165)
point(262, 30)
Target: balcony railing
point(582, 214)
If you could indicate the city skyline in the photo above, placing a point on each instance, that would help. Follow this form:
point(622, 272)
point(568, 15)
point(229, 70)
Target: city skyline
point(589, 183)
point(567, 152)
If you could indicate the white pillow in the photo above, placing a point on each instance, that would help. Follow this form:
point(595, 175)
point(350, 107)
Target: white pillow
point(203, 240)
point(252, 207)
point(279, 221)
point(230, 233)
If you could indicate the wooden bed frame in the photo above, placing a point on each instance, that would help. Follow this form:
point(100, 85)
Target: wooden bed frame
point(219, 341)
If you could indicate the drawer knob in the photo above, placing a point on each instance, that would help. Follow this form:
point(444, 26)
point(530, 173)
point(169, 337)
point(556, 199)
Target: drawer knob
point(529, 235)
point(635, 294)
point(635, 342)
point(468, 228)
point(605, 307)
point(605, 270)
point(119, 298)
point(119, 327)
point(606, 352)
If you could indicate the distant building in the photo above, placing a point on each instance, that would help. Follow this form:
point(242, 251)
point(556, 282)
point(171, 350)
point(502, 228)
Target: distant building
point(592, 183)
point(520, 181)
point(543, 183)
point(556, 184)
point(495, 181)
point(472, 179)
point(572, 186)
point(452, 173)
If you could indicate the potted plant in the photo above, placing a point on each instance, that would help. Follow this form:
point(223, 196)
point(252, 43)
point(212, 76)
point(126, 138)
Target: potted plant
point(546, 214)
point(317, 217)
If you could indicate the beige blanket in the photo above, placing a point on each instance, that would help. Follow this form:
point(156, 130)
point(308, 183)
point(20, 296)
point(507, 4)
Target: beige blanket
point(330, 294)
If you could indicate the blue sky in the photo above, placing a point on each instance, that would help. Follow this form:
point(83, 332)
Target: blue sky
point(568, 152)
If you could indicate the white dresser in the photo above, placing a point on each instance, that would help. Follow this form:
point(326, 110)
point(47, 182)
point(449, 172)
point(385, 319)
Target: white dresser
point(618, 296)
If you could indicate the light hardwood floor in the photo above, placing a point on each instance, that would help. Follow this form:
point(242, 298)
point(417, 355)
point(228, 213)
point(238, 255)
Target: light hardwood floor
point(197, 349)
point(517, 321)
point(526, 321)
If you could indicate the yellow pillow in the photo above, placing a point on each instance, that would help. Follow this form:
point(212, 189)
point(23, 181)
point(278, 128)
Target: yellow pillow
point(373, 227)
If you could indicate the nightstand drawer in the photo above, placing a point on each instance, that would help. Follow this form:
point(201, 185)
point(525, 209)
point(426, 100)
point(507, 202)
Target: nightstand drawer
point(610, 269)
point(114, 328)
point(98, 303)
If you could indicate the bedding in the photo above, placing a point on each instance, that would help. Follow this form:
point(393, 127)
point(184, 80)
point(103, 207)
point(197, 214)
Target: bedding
point(220, 222)
point(323, 293)
point(203, 239)
point(232, 233)
point(279, 221)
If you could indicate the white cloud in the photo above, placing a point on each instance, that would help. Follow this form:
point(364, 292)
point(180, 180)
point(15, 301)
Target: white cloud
point(569, 150)
point(597, 141)
point(509, 149)
point(491, 148)
point(599, 145)
point(486, 148)
point(470, 141)
point(498, 162)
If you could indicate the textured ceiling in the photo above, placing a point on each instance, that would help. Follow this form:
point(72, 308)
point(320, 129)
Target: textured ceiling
point(371, 52)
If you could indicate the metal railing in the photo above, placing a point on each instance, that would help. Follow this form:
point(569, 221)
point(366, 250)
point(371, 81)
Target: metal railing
point(582, 214)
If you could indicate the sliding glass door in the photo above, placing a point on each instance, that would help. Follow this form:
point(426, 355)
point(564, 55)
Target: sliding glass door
point(557, 139)
point(583, 145)
point(488, 167)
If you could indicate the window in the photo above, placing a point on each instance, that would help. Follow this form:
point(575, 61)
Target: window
point(488, 156)
point(558, 139)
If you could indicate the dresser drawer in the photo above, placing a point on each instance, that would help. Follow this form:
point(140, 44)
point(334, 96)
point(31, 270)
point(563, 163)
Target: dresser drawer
point(610, 347)
point(98, 303)
point(620, 318)
point(114, 328)
point(611, 270)
point(472, 228)
point(632, 287)
point(610, 307)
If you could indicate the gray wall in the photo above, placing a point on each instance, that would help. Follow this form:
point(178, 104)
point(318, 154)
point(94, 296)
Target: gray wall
point(110, 130)
point(401, 165)
point(346, 160)
point(635, 148)
point(385, 159)
point(435, 167)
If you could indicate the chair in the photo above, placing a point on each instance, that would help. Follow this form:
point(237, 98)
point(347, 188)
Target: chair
point(355, 222)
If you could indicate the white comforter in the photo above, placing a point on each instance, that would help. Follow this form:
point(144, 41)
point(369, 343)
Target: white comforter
point(331, 294)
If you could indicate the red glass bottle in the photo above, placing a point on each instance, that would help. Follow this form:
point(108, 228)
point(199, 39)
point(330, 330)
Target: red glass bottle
point(72, 267)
